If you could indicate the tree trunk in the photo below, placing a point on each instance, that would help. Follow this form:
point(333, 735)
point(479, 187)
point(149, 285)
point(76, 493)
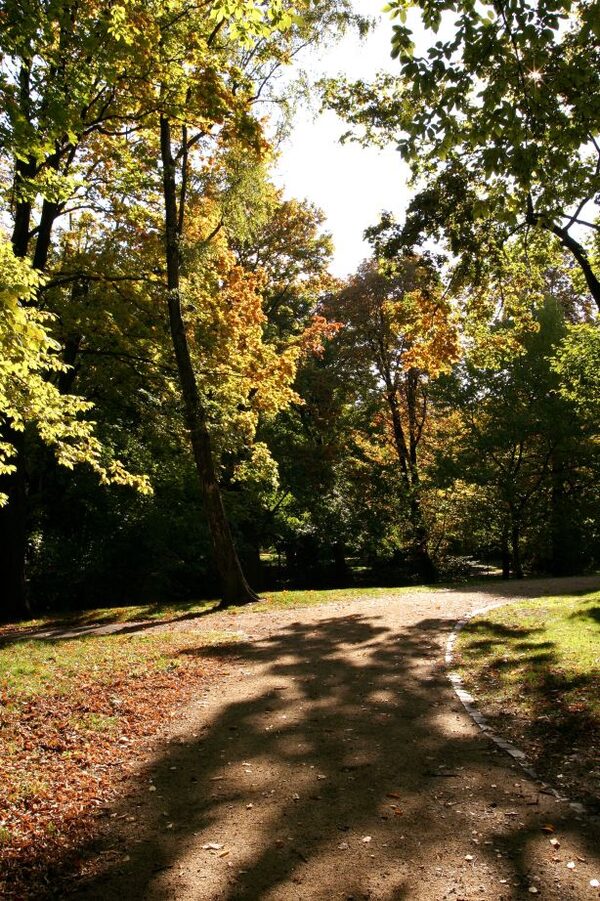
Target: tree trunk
point(565, 559)
point(424, 565)
point(505, 554)
point(516, 551)
point(581, 255)
point(234, 587)
point(341, 571)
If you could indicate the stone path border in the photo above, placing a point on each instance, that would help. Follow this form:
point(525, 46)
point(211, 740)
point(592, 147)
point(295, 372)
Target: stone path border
point(469, 703)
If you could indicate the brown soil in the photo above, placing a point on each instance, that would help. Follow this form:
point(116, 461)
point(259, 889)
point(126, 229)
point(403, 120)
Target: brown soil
point(333, 761)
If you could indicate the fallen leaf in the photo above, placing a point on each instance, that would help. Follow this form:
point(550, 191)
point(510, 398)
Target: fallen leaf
point(212, 846)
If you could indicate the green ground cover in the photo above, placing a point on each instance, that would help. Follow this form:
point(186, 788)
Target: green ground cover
point(179, 610)
point(534, 668)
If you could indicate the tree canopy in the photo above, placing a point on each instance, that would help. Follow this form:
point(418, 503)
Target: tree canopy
point(183, 380)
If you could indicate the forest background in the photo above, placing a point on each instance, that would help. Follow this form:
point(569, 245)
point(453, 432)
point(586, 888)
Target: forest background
point(191, 405)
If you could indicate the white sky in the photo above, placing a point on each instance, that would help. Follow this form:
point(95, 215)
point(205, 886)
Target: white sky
point(351, 184)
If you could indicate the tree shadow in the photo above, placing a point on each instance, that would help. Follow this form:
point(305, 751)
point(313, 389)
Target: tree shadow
point(71, 627)
point(340, 767)
point(530, 698)
point(589, 614)
point(537, 587)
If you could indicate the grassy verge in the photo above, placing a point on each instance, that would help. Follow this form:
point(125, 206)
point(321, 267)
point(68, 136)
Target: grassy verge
point(181, 610)
point(74, 717)
point(534, 667)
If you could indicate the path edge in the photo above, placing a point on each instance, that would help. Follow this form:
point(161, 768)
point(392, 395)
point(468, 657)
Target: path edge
point(470, 705)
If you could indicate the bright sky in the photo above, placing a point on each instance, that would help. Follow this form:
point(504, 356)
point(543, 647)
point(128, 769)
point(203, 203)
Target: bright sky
point(352, 185)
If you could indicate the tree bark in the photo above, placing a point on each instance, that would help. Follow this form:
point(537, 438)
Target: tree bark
point(505, 553)
point(580, 254)
point(234, 587)
point(564, 552)
point(572, 245)
point(516, 550)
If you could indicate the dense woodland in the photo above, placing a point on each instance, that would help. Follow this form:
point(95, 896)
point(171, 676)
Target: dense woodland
point(191, 405)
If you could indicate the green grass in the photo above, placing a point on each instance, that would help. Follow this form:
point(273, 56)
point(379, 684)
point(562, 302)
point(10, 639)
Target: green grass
point(33, 667)
point(180, 610)
point(527, 652)
point(289, 600)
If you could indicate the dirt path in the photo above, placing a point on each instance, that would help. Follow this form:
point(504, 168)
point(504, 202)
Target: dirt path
point(335, 762)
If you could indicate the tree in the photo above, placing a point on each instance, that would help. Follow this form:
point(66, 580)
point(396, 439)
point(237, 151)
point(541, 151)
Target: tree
point(497, 110)
point(66, 74)
point(72, 73)
point(399, 324)
point(510, 434)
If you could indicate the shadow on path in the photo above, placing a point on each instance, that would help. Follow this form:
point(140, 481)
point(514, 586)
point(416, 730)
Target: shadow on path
point(336, 763)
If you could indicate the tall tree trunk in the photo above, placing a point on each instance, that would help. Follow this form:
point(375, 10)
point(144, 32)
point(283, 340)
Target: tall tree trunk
point(234, 587)
point(425, 566)
point(516, 550)
point(505, 552)
point(341, 571)
point(565, 557)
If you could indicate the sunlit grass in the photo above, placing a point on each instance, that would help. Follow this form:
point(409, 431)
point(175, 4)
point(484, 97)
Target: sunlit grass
point(537, 657)
point(32, 667)
point(180, 610)
point(286, 600)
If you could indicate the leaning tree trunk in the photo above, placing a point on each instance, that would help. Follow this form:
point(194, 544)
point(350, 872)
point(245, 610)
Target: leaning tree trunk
point(234, 587)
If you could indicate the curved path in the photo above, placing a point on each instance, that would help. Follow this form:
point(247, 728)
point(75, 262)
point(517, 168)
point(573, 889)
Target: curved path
point(333, 761)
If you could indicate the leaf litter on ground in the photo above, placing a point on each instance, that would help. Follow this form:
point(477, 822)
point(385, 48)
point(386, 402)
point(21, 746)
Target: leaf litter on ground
point(76, 716)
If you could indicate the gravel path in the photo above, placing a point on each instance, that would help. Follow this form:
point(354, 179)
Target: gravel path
point(333, 761)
